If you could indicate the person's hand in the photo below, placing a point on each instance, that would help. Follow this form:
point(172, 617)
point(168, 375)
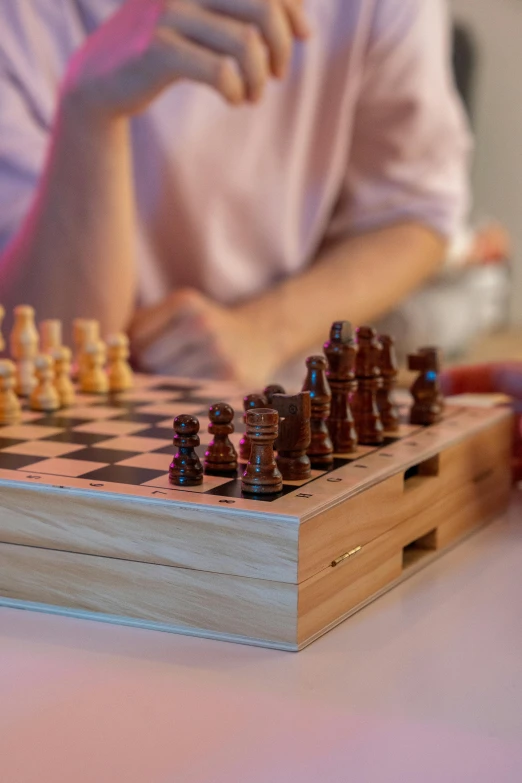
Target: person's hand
point(234, 46)
point(491, 245)
point(190, 336)
point(502, 378)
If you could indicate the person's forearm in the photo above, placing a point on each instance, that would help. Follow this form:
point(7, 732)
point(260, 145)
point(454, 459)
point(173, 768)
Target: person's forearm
point(358, 279)
point(73, 255)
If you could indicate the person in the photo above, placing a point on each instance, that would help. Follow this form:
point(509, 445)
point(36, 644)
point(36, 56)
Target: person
point(497, 378)
point(226, 235)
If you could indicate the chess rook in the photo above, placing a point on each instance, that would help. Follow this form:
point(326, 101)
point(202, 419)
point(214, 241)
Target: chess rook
point(428, 400)
point(50, 336)
point(185, 469)
point(364, 399)
point(221, 456)
point(271, 390)
point(294, 435)
point(85, 332)
point(10, 408)
point(24, 341)
point(340, 351)
point(119, 370)
point(250, 402)
point(62, 357)
point(389, 370)
point(321, 447)
point(44, 396)
point(262, 476)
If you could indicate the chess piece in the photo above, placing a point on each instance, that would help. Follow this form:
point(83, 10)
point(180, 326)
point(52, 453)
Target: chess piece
point(321, 447)
point(62, 357)
point(273, 388)
point(2, 341)
point(294, 435)
point(428, 400)
point(44, 396)
point(50, 336)
point(93, 378)
point(340, 352)
point(262, 476)
point(185, 469)
point(119, 370)
point(24, 341)
point(85, 332)
point(10, 408)
point(364, 399)
point(389, 371)
point(250, 402)
point(221, 456)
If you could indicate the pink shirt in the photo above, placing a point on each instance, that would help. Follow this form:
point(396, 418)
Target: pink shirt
point(365, 131)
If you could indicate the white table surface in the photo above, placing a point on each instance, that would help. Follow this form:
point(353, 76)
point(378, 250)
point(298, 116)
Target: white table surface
point(423, 685)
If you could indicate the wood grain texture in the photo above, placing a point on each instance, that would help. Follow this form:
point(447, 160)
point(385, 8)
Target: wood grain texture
point(176, 596)
point(241, 545)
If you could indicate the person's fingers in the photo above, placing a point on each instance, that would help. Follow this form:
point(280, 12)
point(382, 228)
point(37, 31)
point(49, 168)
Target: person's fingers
point(502, 378)
point(270, 18)
point(225, 36)
point(175, 57)
point(298, 18)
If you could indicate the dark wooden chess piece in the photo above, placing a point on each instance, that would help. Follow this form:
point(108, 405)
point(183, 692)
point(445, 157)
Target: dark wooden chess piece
point(269, 391)
point(389, 370)
point(428, 400)
point(364, 399)
point(250, 402)
point(262, 476)
point(321, 447)
point(340, 352)
point(221, 456)
point(185, 469)
point(294, 435)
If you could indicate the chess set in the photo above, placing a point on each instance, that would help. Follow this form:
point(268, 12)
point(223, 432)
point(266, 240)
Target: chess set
point(291, 513)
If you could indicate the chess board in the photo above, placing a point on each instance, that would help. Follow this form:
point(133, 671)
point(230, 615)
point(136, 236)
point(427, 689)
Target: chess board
point(90, 525)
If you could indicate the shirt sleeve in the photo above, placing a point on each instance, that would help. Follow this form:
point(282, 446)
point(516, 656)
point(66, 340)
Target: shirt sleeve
point(23, 144)
point(410, 144)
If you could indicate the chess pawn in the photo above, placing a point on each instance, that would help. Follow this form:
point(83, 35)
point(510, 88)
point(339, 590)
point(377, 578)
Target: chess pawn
point(44, 396)
point(364, 399)
point(221, 456)
point(185, 469)
point(62, 368)
point(321, 447)
point(262, 476)
point(250, 402)
point(270, 391)
point(10, 408)
point(85, 332)
point(2, 341)
point(428, 400)
point(93, 378)
point(389, 370)
point(50, 336)
point(24, 340)
point(340, 351)
point(119, 370)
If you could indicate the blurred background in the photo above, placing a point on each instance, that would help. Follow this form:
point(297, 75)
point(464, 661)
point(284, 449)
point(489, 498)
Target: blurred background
point(488, 62)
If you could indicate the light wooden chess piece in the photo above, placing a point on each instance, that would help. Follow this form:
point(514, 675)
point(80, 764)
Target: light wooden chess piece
point(2, 341)
point(85, 332)
point(50, 336)
point(94, 379)
point(10, 408)
point(24, 341)
point(62, 367)
point(119, 370)
point(45, 396)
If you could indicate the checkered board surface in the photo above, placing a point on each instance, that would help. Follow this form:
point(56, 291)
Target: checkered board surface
point(123, 444)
